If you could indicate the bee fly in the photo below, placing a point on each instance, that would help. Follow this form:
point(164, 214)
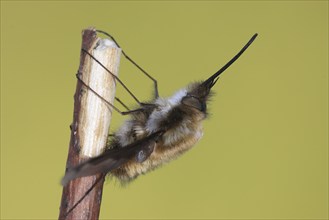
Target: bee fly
point(156, 133)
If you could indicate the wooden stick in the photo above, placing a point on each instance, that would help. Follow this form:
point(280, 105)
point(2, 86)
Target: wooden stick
point(91, 122)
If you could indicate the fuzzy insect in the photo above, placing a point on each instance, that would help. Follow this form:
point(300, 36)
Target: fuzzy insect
point(156, 133)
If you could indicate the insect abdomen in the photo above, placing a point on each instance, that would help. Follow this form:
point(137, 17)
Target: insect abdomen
point(162, 154)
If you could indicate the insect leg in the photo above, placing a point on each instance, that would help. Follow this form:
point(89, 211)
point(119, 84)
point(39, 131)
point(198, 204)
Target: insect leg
point(114, 76)
point(107, 102)
point(123, 104)
point(84, 196)
point(135, 64)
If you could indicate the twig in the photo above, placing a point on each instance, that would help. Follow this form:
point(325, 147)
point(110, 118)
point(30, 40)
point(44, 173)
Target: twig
point(91, 122)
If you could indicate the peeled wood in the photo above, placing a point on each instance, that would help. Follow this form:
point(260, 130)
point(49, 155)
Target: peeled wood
point(91, 122)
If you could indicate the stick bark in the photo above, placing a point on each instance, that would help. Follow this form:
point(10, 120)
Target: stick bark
point(91, 122)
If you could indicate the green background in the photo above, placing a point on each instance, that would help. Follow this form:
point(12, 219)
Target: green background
point(265, 149)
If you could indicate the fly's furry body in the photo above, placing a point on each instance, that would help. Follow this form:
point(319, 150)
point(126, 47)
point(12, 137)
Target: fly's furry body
point(182, 126)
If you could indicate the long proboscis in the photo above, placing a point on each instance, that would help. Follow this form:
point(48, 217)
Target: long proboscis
point(211, 79)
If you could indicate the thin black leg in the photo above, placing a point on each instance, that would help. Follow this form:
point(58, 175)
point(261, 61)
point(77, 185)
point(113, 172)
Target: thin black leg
point(135, 64)
point(107, 102)
point(114, 76)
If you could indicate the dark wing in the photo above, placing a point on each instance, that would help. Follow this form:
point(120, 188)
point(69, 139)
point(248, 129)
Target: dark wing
point(114, 158)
